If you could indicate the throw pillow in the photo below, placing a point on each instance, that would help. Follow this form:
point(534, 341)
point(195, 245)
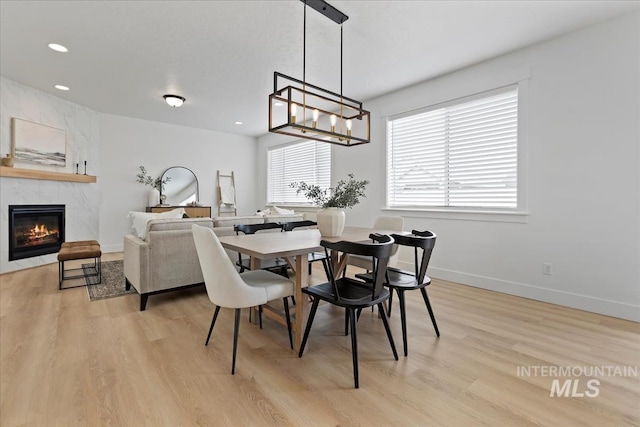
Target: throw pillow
point(282, 211)
point(140, 219)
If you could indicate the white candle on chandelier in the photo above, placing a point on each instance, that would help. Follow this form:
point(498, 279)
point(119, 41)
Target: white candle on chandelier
point(294, 110)
point(349, 124)
point(316, 114)
point(333, 119)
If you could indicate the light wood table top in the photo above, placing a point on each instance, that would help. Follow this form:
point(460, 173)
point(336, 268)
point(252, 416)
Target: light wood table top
point(292, 243)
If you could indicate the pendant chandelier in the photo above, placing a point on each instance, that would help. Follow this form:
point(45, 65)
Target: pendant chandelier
point(313, 112)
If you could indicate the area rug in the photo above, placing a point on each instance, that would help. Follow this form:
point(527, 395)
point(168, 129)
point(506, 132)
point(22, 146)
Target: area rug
point(112, 281)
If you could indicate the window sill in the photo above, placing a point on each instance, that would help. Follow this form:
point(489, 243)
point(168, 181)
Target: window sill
point(462, 215)
point(287, 206)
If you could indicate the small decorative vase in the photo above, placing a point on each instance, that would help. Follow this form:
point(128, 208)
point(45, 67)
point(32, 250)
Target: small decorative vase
point(8, 161)
point(153, 197)
point(330, 222)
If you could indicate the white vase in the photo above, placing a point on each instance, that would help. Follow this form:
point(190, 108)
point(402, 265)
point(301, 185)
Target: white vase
point(330, 222)
point(153, 197)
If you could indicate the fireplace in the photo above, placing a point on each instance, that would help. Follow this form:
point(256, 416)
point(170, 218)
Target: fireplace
point(35, 230)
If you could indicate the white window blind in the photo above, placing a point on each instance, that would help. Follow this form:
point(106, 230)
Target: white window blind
point(462, 155)
point(307, 161)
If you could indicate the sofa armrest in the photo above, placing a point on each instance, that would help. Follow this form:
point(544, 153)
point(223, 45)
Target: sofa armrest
point(173, 260)
point(136, 262)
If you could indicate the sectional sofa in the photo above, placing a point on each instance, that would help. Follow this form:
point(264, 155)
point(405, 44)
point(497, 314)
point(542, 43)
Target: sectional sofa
point(164, 258)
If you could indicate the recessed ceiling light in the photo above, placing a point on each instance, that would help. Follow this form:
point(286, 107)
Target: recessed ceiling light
point(61, 87)
point(174, 100)
point(278, 104)
point(58, 47)
point(238, 122)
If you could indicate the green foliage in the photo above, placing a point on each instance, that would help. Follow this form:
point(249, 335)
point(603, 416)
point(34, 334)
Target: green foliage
point(145, 179)
point(344, 195)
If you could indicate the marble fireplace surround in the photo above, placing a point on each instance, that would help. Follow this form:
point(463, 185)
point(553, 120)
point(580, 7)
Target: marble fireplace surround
point(81, 199)
point(81, 219)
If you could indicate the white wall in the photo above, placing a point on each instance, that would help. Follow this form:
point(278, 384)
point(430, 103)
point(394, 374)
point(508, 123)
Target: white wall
point(582, 136)
point(82, 134)
point(127, 143)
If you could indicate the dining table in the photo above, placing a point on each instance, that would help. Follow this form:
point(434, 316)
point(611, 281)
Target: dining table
point(294, 246)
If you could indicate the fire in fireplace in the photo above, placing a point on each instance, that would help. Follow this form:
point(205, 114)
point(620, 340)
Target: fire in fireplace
point(35, 230)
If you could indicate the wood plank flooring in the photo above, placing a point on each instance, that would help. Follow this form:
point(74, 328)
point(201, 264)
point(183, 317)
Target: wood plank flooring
point(66, 361)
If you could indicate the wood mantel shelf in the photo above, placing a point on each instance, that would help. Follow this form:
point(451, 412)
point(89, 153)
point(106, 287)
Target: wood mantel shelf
point(47, 175)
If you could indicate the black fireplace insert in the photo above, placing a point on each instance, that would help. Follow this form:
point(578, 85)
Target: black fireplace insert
point(35, 230)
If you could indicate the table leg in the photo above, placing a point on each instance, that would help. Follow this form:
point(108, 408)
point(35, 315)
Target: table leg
point(302, 281)
point(254, 264)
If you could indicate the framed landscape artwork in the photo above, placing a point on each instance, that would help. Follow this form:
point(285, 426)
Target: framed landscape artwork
point(38, 143)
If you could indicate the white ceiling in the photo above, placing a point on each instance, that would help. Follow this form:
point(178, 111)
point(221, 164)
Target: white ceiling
point(221, 55)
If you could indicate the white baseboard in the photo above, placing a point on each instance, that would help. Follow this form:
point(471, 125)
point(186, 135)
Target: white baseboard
point(107, 249)
point(553, 296)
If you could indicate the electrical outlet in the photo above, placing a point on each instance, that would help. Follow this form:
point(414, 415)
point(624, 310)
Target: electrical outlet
point(547, 268)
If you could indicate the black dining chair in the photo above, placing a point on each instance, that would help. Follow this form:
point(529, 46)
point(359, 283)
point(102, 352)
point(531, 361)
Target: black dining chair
point(402, 281)
point(278, 266)
point(353, 294)
point(314, 256)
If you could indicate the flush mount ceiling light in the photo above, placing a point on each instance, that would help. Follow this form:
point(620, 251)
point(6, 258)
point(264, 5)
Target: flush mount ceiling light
point(61, 87)
point(174, 100)
point(313, 112)
point(58, 47)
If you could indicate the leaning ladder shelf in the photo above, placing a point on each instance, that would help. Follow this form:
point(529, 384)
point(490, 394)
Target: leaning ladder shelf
point(224, 208)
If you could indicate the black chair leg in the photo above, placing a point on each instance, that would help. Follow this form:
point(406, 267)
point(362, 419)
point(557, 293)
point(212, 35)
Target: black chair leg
point(433, 317)
point(388, 330)
point(390, 302)
point(312, 314)
point(293, 300)
point(354, 346)
point(346, 322)
point(286, 313)
point(403, 321)
point(260, 315)
point(213, 322)
point(235, 341)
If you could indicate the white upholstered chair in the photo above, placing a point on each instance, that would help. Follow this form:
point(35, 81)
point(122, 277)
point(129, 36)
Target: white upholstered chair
point(391, 223)
point(229, 289)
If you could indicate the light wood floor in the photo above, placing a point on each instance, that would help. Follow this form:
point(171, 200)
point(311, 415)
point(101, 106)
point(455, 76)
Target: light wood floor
point(66, 361)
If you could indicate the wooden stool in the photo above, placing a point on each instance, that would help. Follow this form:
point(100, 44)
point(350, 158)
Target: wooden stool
point(84, 249)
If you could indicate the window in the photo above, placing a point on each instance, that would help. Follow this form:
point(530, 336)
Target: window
point(463, 154)
point(307, 161)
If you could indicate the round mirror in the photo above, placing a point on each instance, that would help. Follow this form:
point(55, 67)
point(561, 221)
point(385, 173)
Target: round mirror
point(180, 186)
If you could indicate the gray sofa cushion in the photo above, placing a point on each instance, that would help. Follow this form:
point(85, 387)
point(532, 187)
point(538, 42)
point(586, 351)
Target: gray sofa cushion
point(230, 221)
point(177, 224)
point(283, 218)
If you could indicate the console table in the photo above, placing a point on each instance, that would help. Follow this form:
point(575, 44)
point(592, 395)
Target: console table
point(191, 211)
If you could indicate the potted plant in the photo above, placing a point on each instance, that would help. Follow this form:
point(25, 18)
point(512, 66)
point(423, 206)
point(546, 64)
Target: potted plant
point(346, 194)
point(157, 185)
